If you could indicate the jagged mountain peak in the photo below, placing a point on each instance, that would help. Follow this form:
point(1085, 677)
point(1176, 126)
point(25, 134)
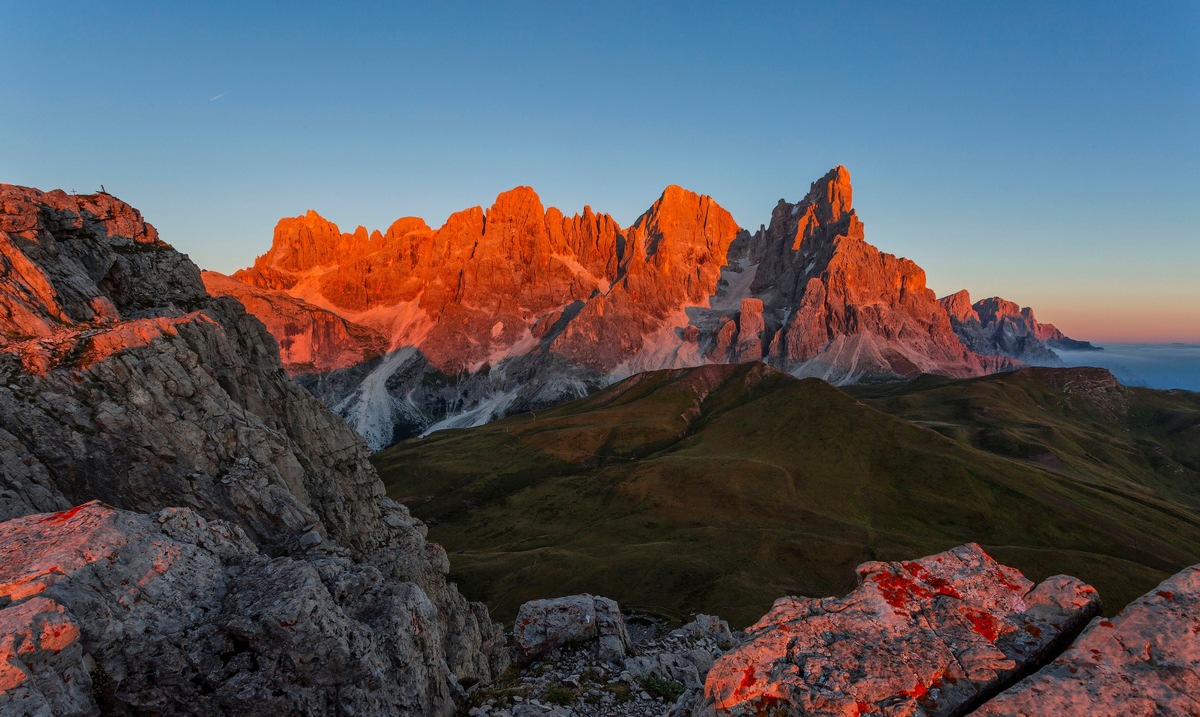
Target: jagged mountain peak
point(995, 308)
point(682, 218)
point(577, 301)
point(998, 326)
point(676, 194)
point(832, 194)
point(521, 201)
point(958, 306)
point(406, 225)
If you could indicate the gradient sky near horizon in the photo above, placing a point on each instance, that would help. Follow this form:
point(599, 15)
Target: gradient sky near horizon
point(1048, 153)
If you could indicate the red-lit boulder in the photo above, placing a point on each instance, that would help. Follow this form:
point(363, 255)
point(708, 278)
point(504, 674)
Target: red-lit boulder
point(42, 671)
point(933, 636)
point(1145, 661)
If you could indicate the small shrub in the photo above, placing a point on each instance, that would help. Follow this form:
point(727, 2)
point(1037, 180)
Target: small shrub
point(620, 691)
point(559, 694)
point(669, 690)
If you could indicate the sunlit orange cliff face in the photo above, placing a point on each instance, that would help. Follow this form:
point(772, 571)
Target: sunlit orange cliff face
point(683, 285)
point(565, 304)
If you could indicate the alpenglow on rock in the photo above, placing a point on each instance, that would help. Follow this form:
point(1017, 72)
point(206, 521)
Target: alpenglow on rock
point(235, 498)
point(1145, 661)
point(934, 636)
point(519, 307)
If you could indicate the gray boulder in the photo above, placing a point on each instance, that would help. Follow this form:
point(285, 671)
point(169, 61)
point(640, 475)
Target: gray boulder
point(544, 625)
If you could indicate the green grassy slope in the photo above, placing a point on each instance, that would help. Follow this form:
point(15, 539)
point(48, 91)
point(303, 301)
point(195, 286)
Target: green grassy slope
point(721, 488)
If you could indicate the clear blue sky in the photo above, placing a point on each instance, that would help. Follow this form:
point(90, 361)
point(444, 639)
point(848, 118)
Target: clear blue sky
point(1048, 153)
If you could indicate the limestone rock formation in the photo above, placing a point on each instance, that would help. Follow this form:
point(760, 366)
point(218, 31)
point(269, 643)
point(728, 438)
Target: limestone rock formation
point(311, 339)
point(847, 311)
point(1000, 327)
point(934, 636)
point(123, 380)
point(519, 306)
point(571, 681)
point(1145, 661)
point(548, 624)
point(173, 614)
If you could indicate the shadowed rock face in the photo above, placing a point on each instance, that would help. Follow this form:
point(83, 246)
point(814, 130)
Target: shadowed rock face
point(123, 380)
point(1000, 327)
point(179, 615)
point(131, 384)
point(932, 636)
point(568, 304)
point(1145, 661)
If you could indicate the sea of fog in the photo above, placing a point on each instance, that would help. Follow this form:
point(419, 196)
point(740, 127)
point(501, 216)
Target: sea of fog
point(1150, 365)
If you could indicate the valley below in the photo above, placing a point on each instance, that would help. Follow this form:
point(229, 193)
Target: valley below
point(718, 489)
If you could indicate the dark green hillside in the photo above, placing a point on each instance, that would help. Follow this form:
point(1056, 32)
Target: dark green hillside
point(721, 488)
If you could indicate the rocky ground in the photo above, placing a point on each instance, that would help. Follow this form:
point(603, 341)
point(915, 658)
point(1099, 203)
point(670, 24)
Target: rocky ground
point(940, 636)
point(572, 681)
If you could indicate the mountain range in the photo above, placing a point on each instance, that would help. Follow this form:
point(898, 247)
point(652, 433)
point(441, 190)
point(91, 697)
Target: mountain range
point(522, 307)
point(183, 530)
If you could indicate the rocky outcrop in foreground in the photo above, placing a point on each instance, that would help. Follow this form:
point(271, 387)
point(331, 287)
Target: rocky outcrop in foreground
point(1145, 661)
point(571, 680)
point(519, 306)
point(938, 636)
point(173, 614)
point(933, 636)
point(281, 579)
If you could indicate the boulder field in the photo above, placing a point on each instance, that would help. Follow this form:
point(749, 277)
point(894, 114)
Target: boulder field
point(949, 634)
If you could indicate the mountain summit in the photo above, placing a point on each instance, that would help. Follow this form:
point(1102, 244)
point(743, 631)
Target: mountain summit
point(519, 306)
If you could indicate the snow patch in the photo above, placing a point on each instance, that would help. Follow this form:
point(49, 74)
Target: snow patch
point(487, 410)
point(371, 409)
point(738, 279)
